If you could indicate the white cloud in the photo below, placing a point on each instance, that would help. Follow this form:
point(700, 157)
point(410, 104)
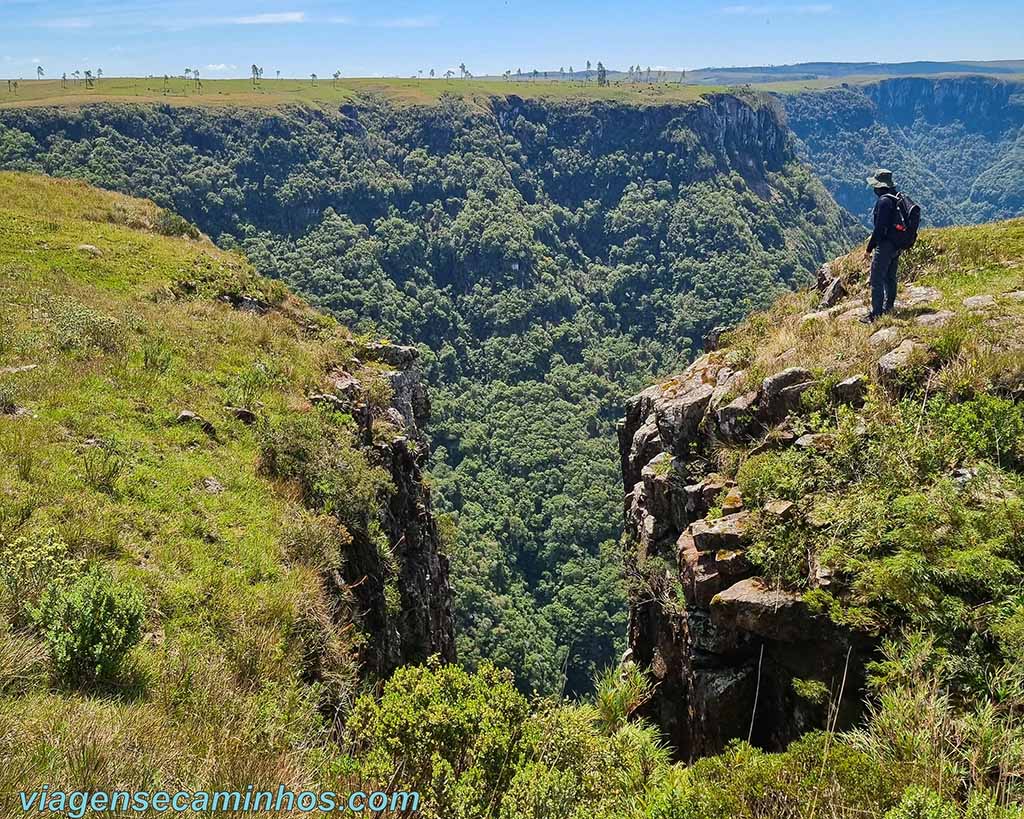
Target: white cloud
point(67, 23)
point(341, 21)
point(221, 67)
point(747, 10)
point(272, 18)
point(408, 22)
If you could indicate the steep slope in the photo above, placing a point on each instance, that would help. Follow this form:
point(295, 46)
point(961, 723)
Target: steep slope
point(549, 257)
point(957, 144)
point(816, 485)
point(198, 459)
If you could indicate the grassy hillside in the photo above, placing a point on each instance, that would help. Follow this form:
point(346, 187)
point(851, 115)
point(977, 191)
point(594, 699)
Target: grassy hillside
point(166, 613)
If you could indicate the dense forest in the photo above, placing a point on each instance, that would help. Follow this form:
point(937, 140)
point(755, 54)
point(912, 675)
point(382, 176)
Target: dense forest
point(548, 258)
point(956, 144)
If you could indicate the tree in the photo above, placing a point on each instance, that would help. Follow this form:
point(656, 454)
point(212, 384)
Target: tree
point(88, 78)
point(334, 77)
point(602, 74)
point(99, 74)
point(39, 72)
point(188, 74)
point(64, 80)
point(588, 70)
point(279, 73)
point(431, 73)
point(449, 74)
point(255, 72)
point(312, 79)
point(519, 74)
point(463, 70)
point(77, 75)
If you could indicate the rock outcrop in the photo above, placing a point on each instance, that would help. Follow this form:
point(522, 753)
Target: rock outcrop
point(723, 644)
point(420, 623)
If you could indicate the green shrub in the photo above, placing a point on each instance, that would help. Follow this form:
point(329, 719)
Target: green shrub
point(75, 327)
point(922, 803)
point(28, 565)
point(985, 427)
point(774, 475)
point(455, 737)
point(169, 223)
point(317, 451)
point(90, 626)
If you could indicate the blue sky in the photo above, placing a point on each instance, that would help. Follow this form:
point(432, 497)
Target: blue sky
point(297, 37)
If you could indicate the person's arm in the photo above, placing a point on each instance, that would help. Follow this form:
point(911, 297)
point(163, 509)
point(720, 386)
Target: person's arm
point(883, 221)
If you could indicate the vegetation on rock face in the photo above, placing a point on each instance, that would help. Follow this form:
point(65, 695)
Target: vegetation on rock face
point(550, 258)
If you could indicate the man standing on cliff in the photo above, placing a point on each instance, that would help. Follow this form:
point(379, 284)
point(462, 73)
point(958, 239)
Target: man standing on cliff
point(882, 248)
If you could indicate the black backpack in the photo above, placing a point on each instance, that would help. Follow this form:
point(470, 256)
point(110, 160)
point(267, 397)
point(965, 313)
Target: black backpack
point(908, 220)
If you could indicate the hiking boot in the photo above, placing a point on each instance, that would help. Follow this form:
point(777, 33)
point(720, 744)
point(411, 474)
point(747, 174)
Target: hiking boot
point(868, 319)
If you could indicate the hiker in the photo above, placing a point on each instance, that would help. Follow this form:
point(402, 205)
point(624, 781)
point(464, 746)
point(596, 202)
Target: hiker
point(882, 247)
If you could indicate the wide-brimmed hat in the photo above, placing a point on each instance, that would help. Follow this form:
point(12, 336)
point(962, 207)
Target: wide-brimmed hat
point(881, 179)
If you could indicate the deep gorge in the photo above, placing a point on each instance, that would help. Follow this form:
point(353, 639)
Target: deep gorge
point(550, 259)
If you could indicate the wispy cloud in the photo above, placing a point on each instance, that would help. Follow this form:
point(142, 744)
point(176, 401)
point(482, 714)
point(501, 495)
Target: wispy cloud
point(751, 10)
point(221, 67)
point(341, 20)
point(67, 23)
point(408, 22)
point(270, 19)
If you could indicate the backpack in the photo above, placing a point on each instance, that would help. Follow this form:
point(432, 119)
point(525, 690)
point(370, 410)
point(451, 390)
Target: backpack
point(908, 220)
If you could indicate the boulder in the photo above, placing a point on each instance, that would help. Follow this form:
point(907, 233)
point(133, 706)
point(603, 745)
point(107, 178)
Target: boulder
point(852, 390)
point(939, 319)
point(394, 355)
point(854, 314)
point(917, 295)
point(818, 441)
point(24, 368)
point(704, 574)
point(190, 417)
point(678, 418)
point(736, 419)
point(92, 250)
point(982, 302)
point(884, 337)
point(243, 414)
point(1016, 295)
point(727, 532)
point(732, 502)
point(773, 385)
point(902, 365)
point(780, 509)
point(835, 292)
point(753, 606)
point(345, 384)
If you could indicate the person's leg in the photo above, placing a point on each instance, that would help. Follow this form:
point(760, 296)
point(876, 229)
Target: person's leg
point(879, 271)
point(891, 282)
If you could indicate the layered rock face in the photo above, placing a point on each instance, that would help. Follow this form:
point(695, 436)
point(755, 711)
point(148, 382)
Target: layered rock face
point(419, 624)
point(723, 644)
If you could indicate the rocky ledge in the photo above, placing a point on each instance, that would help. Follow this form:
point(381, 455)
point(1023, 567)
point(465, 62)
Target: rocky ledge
point(727, 648)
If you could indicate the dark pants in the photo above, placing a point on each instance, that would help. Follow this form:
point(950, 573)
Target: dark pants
point(884, 265)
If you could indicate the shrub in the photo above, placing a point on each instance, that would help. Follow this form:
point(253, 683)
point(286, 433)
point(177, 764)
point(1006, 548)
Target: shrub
point(156, 356)
point(75, 327)
point(28, 565)
point(922, 803)
point(90, 626)
point(168, 223)
point(316, 450)
point(455, 737)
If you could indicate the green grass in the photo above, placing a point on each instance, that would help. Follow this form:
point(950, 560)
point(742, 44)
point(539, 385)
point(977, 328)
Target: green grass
point(94, 464)
point(327, 92)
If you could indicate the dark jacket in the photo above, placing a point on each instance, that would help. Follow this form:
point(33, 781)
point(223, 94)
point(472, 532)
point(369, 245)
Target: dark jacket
point(884, 219)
